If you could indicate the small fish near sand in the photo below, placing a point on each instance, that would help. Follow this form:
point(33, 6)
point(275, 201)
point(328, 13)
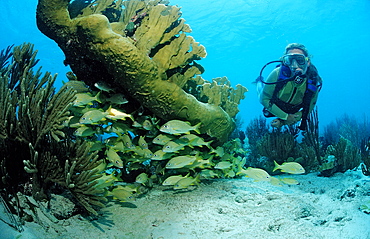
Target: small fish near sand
point(289, 167)
point(180, 161)
point(172, 180)
point(256, 173)
point(122, 194)
point(178, 127)
point(142, 178)
point(186, 182)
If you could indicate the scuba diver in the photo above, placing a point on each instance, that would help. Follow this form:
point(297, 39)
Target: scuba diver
point(291, 90)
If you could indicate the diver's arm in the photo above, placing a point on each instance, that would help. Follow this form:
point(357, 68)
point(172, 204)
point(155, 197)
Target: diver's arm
point(316, 95)
point(266, 95)
point(313, 102)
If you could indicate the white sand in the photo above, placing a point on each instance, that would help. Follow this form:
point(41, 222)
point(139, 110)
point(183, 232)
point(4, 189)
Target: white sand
point(238, 208)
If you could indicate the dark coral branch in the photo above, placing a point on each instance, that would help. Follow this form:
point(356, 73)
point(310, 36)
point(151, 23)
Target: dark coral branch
point(311, 136)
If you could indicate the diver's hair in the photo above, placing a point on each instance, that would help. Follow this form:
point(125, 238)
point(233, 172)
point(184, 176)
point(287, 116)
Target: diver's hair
point(299, 46)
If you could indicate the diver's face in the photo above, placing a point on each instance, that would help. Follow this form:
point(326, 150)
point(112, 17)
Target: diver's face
point(295, 67)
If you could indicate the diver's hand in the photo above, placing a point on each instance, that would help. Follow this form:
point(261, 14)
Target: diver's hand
point(293, 118)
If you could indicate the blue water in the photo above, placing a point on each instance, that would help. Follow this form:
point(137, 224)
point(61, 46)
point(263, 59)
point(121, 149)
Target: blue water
point(240, 36)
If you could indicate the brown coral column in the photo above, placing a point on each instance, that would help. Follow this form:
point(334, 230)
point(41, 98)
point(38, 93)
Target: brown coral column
point(90, 45)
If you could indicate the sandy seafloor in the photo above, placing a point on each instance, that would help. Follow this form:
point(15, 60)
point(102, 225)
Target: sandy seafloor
point(229, 208)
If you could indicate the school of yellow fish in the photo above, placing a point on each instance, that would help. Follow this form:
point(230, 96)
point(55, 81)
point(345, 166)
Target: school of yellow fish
point(173, 154)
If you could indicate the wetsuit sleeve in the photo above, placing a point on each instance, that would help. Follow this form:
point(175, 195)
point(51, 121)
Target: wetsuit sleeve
point(266, 95)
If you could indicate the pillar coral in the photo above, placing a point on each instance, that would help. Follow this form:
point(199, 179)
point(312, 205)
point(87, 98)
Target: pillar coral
point(140, 48)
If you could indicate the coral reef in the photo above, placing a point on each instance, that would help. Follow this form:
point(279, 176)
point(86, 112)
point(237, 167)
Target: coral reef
point(311, 142)
point(344, 143)
point(37, 156)
point(141, 49)
point(145, 150)
point(365, 151)
point(348, 127)
point(277, 145)
point(346, 156)
point(281, 145)
point(256, 129)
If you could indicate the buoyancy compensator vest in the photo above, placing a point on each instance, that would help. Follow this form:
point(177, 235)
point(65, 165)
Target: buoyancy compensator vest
point(313, 85)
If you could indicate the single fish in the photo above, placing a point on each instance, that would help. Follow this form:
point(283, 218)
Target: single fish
point(142, 143)
point(116, 114)
point(180, 161)
point(200, 163)
point(136, 124)
point(84, 131)
point(101, 167)
point(93, 117)
point(106, 180)
point(178, 127)
point(275, 181)
point(101, 85)
point(142, 178)
point(289, 181)
point(160, 155)
point(207, 173)
point(186, 182)
point(144, 153)
point(119, 146)
point(172, 180)
point(256, 173)
point(117, 99)
point(83, 99)
point(114, 158)
point(194, 140)
point(122, 194)
point(223, 165)
point(127, 141)
point(162, 139)
point(289, 167)
point(173, 146)
point(71, 76)
point(118, 128)
point(219, 151)
point(78, 86)
point(147, 125)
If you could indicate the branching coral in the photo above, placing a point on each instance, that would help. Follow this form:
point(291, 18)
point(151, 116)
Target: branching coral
point(145, 54)
point(365, 152)
point(32, 138)
point(346, 154)
point(311, 138)
point(277, 145)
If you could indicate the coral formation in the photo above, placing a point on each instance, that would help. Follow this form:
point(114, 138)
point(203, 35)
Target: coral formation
point(365, 151)
point(143, 150)
point(311, 138)
point(141, 49)
point(346, 154)
point(277, 145)
point(36, 153)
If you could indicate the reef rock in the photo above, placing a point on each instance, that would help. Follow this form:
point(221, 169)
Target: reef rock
point(141, 49)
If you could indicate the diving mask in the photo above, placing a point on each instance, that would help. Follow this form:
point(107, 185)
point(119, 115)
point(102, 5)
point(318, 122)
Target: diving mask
point(289, 59)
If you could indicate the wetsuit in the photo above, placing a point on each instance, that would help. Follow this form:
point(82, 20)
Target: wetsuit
point(289, 99)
